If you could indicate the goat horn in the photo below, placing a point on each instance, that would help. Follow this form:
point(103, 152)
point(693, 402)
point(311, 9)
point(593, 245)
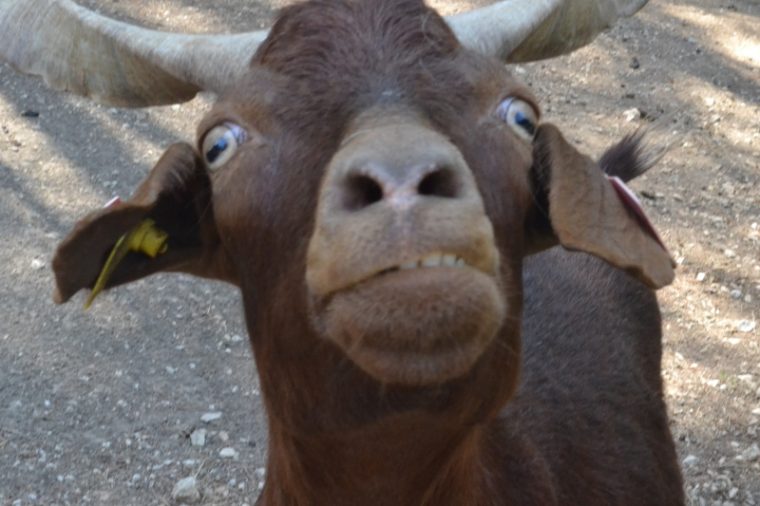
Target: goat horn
point(122, 64)
point(527, 30)
point(77, 50)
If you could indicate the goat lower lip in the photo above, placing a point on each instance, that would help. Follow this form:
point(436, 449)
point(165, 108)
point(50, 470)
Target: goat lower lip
point(415, 326)
point(393, 275)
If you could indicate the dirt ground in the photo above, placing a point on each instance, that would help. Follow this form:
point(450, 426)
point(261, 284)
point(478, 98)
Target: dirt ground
point(98, 407)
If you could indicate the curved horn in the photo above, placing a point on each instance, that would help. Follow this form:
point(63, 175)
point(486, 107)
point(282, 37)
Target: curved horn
point(527, 30)
point(121, 64)
point(77, 50)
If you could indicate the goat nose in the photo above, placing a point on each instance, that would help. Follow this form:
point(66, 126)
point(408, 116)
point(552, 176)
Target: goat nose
point(399, 185)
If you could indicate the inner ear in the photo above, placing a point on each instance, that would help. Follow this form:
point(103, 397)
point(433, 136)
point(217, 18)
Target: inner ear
point(577, 206)
point(176, 196)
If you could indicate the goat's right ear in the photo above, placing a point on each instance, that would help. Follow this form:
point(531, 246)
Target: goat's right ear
point(579, 207)
point(176, 196)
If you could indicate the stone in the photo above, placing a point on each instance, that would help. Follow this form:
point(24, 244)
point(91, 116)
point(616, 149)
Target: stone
point(752, 453)
point(632, 114)
point(260, 474)
point(690, 461)
point(211, 416)
point(198, 437)
point(228, 453)
point(186, 491)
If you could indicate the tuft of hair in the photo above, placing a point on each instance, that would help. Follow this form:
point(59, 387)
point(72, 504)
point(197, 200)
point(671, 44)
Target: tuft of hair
point(639, 151)
point(628, 159)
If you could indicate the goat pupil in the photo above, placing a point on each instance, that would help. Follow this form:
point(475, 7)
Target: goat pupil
point(217, 150)
point(522, 120)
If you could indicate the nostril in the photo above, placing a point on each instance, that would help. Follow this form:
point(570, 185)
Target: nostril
point(440, 183)
point(361, 191)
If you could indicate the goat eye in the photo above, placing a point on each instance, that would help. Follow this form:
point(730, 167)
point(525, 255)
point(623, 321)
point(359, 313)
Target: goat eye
point(520, 116)
point(221, 143)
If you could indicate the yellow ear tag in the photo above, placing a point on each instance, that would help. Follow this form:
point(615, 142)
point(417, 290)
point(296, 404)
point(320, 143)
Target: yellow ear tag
point(145, 238)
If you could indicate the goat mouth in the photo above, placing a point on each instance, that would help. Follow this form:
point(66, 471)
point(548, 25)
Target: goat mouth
point(339, 264)
point(431, 260)
point(421, 322)
point(442, 261)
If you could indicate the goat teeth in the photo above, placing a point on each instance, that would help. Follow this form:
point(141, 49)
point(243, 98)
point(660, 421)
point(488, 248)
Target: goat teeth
point(449, 260)
point(433, 260)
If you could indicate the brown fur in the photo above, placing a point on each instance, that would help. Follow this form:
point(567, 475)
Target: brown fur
point(563, 402)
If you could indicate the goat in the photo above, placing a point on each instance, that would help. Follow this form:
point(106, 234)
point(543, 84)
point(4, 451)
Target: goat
point(389, 205)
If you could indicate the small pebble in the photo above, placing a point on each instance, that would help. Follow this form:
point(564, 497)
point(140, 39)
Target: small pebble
point(210, 417)
point(632, 114)
point(701, 276)
point(736, 294)
point(198, 437)
point(690, 461)
point(228, 453)
point(746, 326)
point(752, 453)
point(260, 474)
point(186, 490)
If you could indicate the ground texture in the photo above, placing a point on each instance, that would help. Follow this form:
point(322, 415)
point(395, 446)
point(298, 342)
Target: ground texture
point(99, 407)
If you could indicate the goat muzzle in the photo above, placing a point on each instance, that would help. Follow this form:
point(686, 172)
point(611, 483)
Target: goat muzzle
point(402, 264)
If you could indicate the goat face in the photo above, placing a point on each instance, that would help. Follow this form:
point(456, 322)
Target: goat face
point(373, 164)
point(395, 192)
point(372, 187)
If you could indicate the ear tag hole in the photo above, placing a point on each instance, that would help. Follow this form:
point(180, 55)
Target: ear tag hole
point(145, 238)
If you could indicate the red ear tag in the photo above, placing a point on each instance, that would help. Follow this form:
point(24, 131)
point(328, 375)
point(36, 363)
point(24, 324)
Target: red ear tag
point(633, 204)
point(113, 202)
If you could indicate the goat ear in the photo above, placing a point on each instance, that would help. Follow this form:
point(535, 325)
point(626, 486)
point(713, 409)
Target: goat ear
point(176, 196)
point(578, 206)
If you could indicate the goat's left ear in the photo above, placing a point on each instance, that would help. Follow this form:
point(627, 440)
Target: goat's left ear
point(579, 207)
point(176, 197)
